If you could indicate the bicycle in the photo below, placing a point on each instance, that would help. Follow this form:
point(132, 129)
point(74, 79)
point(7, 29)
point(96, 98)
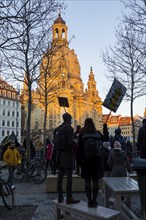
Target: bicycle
point(6, 193)
point(35, 171)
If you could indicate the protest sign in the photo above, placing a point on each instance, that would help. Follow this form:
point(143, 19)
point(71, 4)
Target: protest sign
point(114, 96)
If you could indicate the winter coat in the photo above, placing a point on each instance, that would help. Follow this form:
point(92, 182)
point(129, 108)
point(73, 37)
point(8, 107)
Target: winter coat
point(49, 151)
point(118, 162)
point(38, 145)
point(65, 158)
point(141, 141)
point(89, 166)
point(129, 148)
point(11, 156)
point(104, 158)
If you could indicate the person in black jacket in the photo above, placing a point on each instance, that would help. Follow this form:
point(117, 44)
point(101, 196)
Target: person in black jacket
point(76, 137)
point(65, 161)
point(119, 137)
point(141, 141)
point(91, 167)
point(105, 149)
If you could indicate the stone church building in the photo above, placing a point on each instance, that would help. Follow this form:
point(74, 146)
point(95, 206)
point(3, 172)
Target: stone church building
point(60, 76)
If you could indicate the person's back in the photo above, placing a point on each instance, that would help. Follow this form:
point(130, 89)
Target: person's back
point(105, 149)
point(48, 153)
point(76, 137)
point(141, 141)
point(38, 147)
point(89, 159)
point(65, 159)
point(118, 161)
point(118, 137)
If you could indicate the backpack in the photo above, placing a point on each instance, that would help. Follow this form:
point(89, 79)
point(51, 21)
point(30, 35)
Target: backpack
point(59, 137)
point(91, 144)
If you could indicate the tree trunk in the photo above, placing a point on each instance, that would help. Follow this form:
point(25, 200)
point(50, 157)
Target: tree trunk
point(133, 125)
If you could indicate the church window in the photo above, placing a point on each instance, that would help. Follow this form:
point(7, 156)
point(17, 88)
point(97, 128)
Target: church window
point(63, 33)
point(56, 33)
point(36, 114)
point(93, 93)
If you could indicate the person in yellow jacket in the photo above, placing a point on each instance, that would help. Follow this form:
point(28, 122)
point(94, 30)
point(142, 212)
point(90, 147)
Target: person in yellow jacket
point(11, 157)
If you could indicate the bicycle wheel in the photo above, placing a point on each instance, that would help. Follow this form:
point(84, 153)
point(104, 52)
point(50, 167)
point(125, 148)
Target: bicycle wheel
point(39, 175)
point(7, 195)
point(18, 174)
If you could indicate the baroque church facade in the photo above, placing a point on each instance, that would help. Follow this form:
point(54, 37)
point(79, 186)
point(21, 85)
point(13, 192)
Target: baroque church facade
point(60, 76)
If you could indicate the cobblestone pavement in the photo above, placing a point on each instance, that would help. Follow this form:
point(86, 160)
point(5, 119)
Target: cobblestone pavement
point(30, 194)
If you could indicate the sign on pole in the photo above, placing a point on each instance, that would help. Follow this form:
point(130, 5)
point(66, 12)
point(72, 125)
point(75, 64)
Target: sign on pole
point(63, 101)
point(114, 96)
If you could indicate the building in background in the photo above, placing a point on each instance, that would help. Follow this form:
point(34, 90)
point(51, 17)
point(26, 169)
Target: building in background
point(60, 74)
point(125, 123)
point(10, 111)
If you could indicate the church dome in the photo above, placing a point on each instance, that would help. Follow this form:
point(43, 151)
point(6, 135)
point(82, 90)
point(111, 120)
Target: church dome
point(63, 59)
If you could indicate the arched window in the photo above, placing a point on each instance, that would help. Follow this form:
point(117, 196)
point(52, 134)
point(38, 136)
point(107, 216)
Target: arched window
point(56, 33)
point(63, 33)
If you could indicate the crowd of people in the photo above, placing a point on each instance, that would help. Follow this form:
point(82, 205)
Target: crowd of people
point(86, 151)
point(92, 155)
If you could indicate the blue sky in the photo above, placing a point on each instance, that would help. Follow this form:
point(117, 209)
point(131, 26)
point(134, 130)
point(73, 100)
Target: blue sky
point(93, 25)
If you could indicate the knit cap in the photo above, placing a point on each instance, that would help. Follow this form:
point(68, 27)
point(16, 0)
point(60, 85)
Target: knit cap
point(117, 145)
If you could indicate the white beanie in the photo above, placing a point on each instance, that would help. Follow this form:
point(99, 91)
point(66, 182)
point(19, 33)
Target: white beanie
point(117, 145)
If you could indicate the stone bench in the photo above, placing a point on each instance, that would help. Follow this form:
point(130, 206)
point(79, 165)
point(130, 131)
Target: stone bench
point(81, 210)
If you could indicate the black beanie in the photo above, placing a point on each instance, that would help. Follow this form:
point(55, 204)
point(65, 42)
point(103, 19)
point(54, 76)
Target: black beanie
point(67, 117)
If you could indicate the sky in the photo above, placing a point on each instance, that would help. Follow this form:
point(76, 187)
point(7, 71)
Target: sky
point(93, 24)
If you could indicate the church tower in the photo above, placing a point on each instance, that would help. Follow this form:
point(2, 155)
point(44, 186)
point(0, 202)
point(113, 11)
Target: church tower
point(59, 30)
point(60, 72)
point(92, 84)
